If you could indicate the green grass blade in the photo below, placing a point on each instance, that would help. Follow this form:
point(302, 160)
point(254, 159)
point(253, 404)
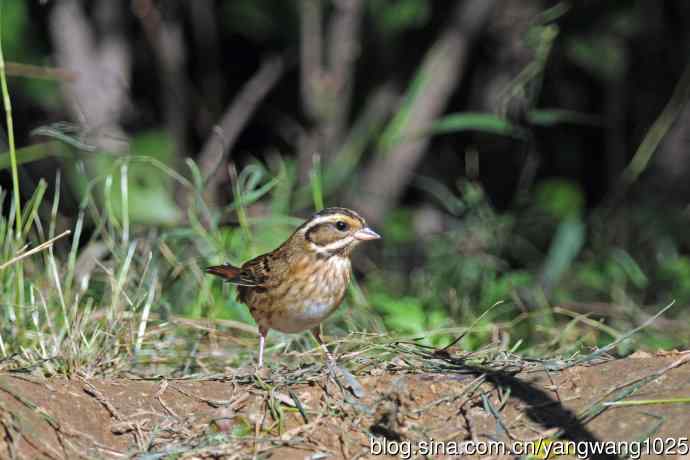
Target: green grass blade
point(33, 205)
point(474, 121)
point(316, 183)
point(648, 402)
point(60, 133)
point(392, 133)
point(10, 133)
point(30, 153)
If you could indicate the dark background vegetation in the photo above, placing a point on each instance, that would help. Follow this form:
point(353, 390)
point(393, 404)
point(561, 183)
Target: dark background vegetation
point(524, 151)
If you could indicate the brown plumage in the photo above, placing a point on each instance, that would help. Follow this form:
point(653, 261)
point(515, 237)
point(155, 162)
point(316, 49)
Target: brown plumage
point(296, 286)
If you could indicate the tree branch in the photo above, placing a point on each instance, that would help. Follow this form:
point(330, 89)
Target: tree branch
point(311, 49)
point(442, 69)
point(235, 118)
point(343, 44)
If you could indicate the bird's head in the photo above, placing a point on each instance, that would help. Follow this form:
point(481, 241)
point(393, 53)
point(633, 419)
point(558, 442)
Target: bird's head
point(335, 231)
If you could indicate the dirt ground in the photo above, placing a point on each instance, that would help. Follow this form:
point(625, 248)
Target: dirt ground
point(245, 416)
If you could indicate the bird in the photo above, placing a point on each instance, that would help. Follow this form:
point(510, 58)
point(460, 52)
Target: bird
point(298, 285)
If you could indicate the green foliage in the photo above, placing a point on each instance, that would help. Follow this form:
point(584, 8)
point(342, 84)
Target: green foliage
point(14, 25)
point(459, 273)
point(31, 153)
point(457, 276)
point(482, 122)
point(395, 16)
point(410, 317)
point(393, 132)
point(403, 314)
point(604, 56)
point(135, 186)
point(150, 200)
point(44, 92)
point(602, 50)
point(559, 198)
point(493, 124)
point(675, 273)
point(566, 245)
point(398, 228)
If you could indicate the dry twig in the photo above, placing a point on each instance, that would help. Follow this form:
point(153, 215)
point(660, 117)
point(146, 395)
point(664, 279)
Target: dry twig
point(39, 248)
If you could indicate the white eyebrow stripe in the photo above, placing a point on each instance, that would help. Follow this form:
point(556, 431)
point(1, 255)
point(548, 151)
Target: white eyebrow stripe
point(330, 218)
point(318, 221)
point(332, 247)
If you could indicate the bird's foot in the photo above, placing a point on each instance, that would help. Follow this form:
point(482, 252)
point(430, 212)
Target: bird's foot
point(262, 372)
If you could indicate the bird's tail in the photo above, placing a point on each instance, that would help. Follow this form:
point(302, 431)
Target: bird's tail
point(225, 271)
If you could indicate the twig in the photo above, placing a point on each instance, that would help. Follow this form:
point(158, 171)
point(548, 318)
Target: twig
point(626, 389)
point(167, 41)
point(467, 391)
point(620, 339)
point(214, 324)
point(644, 153)
point(289, 434)
point(343, 47)
point(9, 424)
point(620, 311)
point(648, 378)
point(311, 49)
point(471, 429)
point(93, 391)
point(231, 403)
point(159, 397)
point(235, 118)
point(501, 429)
point(39, 248)
point(18, 69)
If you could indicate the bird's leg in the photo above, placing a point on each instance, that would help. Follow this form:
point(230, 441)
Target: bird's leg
point(262, 342)
point(317, 335)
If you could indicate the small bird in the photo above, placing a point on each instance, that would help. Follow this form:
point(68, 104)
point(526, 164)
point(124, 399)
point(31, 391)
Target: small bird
point(298, 285)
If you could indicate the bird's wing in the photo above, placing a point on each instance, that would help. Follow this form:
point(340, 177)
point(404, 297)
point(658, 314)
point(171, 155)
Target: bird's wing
point(258, 269)
point(248, 275)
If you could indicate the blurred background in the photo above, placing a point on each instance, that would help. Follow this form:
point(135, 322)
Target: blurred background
point(529, 153)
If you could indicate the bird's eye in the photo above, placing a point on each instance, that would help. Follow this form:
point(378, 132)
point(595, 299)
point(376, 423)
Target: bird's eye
point(341, 226)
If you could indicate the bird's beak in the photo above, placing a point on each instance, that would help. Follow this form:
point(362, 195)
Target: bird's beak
point(366, 234)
